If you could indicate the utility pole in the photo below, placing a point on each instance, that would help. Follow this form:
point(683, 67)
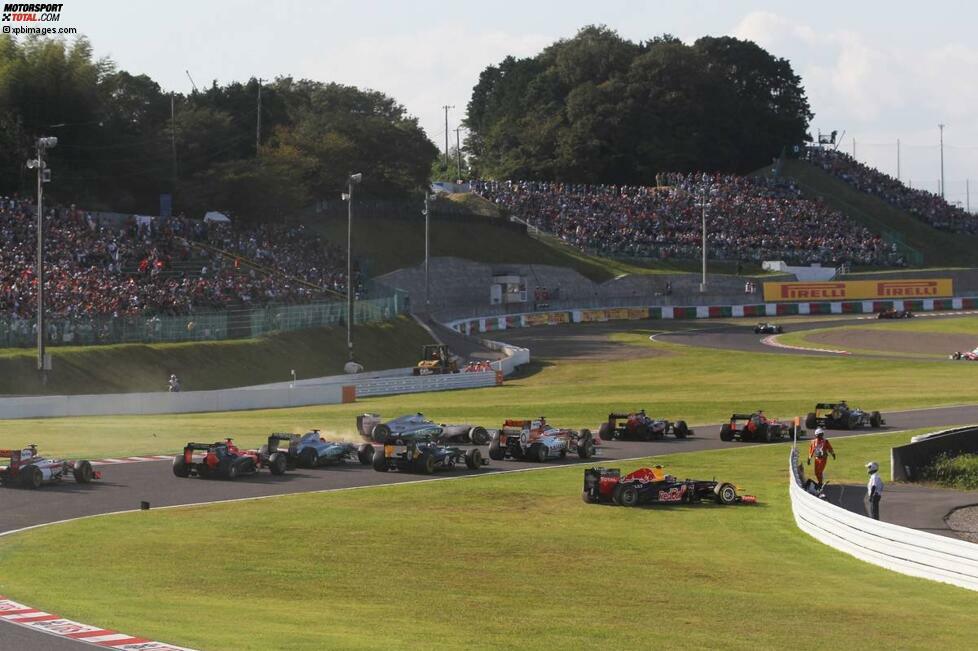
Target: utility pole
point(703, 205)
point(458, 153)
point(258, 121)
point(967, 195)
point(446, 107)
point(854, 147)
point(43, 176)
point(898, 159)
point(941, 127)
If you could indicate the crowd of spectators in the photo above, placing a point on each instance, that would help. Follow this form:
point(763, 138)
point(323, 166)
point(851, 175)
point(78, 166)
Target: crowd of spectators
point(924, 205)
point(747, 219)
point(140, 267)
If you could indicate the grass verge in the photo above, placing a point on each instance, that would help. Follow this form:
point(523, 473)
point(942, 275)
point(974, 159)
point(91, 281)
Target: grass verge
point(960, 472)
point(489, 562)
point(123, 368)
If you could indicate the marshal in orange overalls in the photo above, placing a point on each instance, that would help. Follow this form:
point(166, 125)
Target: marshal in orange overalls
point(820, 448)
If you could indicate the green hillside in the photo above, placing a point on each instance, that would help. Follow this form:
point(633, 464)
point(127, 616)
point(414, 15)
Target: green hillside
point(936, 248)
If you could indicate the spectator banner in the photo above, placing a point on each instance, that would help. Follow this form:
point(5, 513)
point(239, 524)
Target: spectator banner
point(537, 319)
point(559, 317)
point(594, 315)
point(841, 290)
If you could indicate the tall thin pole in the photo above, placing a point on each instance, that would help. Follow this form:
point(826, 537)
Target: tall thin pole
point(349, 269)
point(40, 258)
point(258, 120)
point(967, 195)
point(941, 127)
point(446, 107)
point(458, 153)
point(703, 283)
point(853, 146)
point(427, 258)
point(898, 159)
point(173, 146)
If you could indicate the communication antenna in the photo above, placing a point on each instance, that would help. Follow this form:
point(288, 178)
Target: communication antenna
point(191, 80)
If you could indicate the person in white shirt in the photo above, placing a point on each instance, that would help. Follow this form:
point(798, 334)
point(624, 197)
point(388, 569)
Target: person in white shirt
point(874, 489)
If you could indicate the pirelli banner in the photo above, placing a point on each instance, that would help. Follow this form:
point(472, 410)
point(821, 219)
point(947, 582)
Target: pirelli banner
point(848, 290)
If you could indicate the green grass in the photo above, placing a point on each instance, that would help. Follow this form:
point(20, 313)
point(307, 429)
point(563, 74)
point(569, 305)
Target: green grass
point(698, 385)
point(213, 364)
point(967, 325)
point(960, 472)
point(500, 561)
point(937, 247)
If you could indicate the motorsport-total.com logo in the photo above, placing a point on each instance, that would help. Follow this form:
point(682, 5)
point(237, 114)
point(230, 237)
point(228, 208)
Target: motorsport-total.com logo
point(31, 13)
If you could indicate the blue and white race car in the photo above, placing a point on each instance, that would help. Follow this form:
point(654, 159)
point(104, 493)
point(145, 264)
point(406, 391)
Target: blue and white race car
point(373, 428)
point(311, 450)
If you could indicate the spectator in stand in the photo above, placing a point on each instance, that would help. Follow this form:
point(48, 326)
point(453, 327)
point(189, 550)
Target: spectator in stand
point(925, 206)
point(748, 219)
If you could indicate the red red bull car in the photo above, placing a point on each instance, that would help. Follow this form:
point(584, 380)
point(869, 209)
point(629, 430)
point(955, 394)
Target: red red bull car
point(653, 486)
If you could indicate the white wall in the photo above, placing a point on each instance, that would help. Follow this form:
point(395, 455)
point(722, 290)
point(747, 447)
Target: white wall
point(904, 550)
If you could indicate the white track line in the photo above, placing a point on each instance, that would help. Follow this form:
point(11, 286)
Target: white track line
point(772, 340)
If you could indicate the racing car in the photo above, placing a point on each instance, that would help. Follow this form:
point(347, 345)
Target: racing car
point(766, 328)
point(312, 450)
point(894, 314)
point(653, 486)
point(26, 468)
point(537, 440)
point(839, 415)
point(967, 356)
point(418, 452)
point(639, 426)
point(373, 428)
point(226, 460)
point(754, 427)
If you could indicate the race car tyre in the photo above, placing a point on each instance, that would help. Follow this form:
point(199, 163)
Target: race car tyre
point(31, 477)
point(180, 467)
point(585, 446)
point(380, 461)
point(767, 435)
point(644, 433)
point(496, 452)
point(426, 463)
point(82, 471)
point(479, 436)
point(473, 459)
point(380, 433)
point(203, 471)
point(757, 331)
point(628, 496)
point(538, 453)
point(726, 433)
point(606, 432)
point(680, 429)
point(308, 458)
point(278, 463)
point(616, 495)
point(365, 454)
point(726, 493)
point(811, 420)
point(232, 469)
point(586, 496)
point(875, 419)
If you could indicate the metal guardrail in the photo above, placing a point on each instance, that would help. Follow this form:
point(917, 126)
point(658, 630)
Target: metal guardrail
point(896, 548)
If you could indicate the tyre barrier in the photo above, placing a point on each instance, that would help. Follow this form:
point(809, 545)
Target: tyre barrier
point(900, 549)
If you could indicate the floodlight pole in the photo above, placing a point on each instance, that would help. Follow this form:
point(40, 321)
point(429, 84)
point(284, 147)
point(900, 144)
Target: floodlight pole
point(352, 180)
point(703, 281)
point(941, 127)
point(38, 163)
point(427, 256)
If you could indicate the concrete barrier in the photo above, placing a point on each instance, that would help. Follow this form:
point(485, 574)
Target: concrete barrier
point(907, 460)
point(423, 383)
point(480, 324)
point(896, 548)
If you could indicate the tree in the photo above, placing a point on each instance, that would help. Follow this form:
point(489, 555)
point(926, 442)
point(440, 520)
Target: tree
point(598, 108)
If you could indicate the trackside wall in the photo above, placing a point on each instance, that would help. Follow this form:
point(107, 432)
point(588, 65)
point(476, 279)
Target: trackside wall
point(896, 548)
point(909, 459)
point(476, 325)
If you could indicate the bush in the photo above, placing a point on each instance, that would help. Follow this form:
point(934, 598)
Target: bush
point(959, 471)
